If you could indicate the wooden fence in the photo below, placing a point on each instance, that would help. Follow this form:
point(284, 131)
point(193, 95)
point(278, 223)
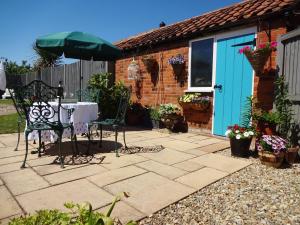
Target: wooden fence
point(289, 66)
point(68, 74)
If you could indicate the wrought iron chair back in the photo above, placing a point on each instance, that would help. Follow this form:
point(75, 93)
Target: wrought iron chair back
point(122, 107)
point(33, 100)
point(89, 95)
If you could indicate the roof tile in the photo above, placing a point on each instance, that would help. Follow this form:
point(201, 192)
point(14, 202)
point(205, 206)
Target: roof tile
point(244, 10)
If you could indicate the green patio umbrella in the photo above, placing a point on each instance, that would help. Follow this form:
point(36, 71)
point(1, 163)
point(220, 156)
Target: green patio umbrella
point(79, 45)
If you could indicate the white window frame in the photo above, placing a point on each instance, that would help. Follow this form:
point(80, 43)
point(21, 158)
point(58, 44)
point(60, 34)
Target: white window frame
point(216, 37)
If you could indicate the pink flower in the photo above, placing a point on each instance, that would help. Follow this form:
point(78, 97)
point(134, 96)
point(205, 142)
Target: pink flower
point(273, 44)
point(262, 46)
point(244, 49)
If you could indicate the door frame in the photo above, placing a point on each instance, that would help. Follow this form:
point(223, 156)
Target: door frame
point(216, 37)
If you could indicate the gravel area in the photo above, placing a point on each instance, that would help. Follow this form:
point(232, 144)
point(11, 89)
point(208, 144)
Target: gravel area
point(254, 195)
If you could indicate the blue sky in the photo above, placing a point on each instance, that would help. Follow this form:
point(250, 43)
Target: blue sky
point(23, 21)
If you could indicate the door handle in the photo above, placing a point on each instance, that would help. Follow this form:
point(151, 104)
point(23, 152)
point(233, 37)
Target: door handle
point(218, 86)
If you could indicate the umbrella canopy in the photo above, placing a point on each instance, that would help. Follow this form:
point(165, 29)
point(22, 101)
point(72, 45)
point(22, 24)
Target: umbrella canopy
point(2, 77)
point(79, 45)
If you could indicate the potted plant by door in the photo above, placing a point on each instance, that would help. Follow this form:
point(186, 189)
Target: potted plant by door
point(170, 115)
point(240, 140)
point(194, 101)
point(271, 150)
point(259, 56)
point(266, 122)
point(155, 117)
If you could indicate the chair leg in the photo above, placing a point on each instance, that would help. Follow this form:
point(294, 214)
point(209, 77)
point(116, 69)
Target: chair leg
point(116, 142)
point(72, 141)
point(59, 151)
point(76, 144)
point(19, 131)
point(26, 151)
point(124, 138)
point(40, 143)
point(89, 140)
point(100, 143)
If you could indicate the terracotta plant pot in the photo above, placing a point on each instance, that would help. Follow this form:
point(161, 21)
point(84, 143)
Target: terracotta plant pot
point(269, 159)
point(240, 147)
point(203, 107)
point(258, 60)
point(186, 105)
point(170, 120)
point(291, 154)
point(266, 128)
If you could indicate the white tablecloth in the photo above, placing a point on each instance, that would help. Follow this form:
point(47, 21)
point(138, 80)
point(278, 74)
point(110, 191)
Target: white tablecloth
point(84, 112)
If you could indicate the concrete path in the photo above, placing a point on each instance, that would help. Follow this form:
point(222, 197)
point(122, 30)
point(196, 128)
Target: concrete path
point(153, 180)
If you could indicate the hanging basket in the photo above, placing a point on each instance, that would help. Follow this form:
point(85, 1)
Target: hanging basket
point(149, 63)
point(203, 107)
point(258, 60)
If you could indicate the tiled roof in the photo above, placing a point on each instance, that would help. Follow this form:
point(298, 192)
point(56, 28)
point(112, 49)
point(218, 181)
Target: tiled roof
point(238, 13)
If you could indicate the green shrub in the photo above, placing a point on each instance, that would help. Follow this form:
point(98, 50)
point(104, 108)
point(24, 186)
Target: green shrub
point(78, 214)
point(109, 95)
point(154, 113)
point(167, 109)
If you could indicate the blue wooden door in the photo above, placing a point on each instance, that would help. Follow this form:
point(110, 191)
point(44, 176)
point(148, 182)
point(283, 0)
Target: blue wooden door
point(234, 81)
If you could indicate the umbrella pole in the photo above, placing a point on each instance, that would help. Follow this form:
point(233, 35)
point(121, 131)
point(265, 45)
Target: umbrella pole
point(80, 80)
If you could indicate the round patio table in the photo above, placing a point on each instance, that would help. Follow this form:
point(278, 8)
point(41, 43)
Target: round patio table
point(84, 112)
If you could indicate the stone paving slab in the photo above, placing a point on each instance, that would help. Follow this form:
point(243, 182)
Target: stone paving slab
point(188, 166)
point(220, 162)
point(8, 206)
point(208, 141)
point(162, 169)
point(202, 177)
point(150, 192)
point(124, 212)
point(196, 152)
point(10, 167)
point(115, 175)
point(216, 147)
point(74, 174)
point(7, 220)
point(113, 162)
point(9, 152)
point(23, 180)
point(1, 182)
point(54, 197)
point(179, 145)
point(167, 156)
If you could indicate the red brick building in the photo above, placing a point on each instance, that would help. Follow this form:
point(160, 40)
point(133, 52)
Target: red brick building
point(209, 44)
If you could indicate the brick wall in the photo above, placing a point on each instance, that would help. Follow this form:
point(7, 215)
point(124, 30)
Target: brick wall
point(162, 87)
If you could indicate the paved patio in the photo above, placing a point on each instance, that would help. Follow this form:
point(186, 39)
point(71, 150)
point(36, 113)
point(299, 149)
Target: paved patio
point(153, 180)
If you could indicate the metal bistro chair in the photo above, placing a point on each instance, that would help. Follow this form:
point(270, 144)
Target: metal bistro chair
point(33, 99)
point(116, 123)
point(21, 115)
point(88, 95)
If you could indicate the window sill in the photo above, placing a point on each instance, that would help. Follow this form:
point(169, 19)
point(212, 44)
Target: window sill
point(203, 89)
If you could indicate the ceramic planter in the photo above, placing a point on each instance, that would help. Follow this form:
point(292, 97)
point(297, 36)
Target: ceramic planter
point(269, 159)
point(170, 120)
point(291, 154)
point(240, 147)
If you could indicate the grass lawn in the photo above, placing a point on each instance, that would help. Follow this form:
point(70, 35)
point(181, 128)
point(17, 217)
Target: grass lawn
point(6, 102)
point(9, 124)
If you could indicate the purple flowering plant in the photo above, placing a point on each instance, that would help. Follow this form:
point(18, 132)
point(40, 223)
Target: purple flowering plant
point(175, 60)
point(272, 143)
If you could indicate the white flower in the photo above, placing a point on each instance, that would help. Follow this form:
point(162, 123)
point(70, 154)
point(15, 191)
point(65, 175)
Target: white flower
point(246, 134)
point(237, 131)
point(251, 132)
point(227, 132)
point(238, 136)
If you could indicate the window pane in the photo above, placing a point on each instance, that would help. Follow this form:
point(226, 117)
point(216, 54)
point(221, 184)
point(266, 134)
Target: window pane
point(201, 65)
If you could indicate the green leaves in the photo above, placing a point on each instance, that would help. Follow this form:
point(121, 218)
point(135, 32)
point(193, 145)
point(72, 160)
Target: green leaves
point(79, 214)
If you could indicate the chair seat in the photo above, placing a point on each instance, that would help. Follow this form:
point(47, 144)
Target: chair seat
point(49, 126)
point(106, 122)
